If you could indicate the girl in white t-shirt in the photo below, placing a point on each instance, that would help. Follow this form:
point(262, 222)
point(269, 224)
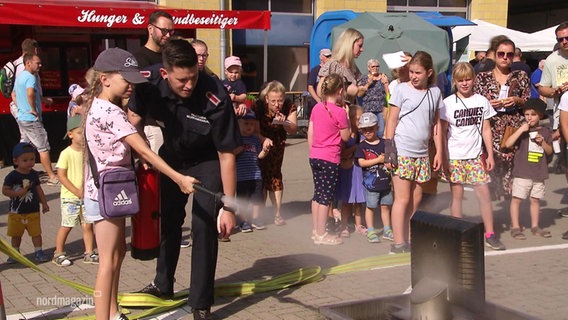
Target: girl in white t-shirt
point(111, 138)
point(413, 120)
point(465, 118)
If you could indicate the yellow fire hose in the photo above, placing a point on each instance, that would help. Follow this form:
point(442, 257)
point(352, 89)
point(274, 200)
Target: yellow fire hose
point(157, 305)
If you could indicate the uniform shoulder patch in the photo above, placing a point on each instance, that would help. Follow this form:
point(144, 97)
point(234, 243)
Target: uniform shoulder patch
point(213, 98)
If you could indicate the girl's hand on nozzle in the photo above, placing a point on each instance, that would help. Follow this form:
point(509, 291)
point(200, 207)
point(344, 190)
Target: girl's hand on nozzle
point(186, 184)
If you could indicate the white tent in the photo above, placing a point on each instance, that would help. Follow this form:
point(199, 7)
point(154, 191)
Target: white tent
point(547, 34)
point(481, 34)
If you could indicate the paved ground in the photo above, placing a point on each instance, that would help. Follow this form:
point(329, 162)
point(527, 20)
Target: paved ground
point(531, 276)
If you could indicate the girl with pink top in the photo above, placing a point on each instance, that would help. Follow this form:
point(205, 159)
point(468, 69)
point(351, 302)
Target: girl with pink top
point(111, 138)
point(329, 126)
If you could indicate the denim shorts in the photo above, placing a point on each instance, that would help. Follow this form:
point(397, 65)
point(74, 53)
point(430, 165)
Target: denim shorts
point(374, 199)
point(92, 210)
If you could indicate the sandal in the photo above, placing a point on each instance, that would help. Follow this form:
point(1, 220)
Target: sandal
point(373, 237)
point(279, 221)
point(361, 229)
point(537, 231)
point(516, 233)
point(327, 239)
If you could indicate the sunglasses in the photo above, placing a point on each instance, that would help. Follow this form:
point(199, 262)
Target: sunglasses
point(502, 54)
point(164, 31)
point(562, 39)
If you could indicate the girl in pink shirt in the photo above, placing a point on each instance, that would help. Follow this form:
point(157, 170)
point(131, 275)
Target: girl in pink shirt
point(111, 138)
point(329, 125)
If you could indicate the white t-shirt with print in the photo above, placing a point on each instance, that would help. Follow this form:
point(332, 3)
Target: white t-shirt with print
point(105, 129)
point(416, 118)
point(465, 117)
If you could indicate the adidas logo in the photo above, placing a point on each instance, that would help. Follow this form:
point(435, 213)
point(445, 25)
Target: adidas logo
point(121, 199)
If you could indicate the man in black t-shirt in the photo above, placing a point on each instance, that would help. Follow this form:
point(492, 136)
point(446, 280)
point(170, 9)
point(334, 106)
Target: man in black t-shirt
point(200, 135)
point(160, 30)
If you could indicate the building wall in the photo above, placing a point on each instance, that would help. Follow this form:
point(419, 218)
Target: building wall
point(492, 11)
point(355, 5)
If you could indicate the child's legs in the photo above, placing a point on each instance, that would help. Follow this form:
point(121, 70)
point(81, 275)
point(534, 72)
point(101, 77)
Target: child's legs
point(369, 217)
point(386, 201)
point(325, 176)
point(346, 212)
point(535, 211)
point(521, 189)
point(112, 248)
point(357, 208)
point(16, 242)
point(537, 193)
point(403, 196)
point(256, 198)
point(485, 206)
point(385, 216)
point(88, 237)
point(457, 196)
point(514, 212)
point(60, 239)
point(372, 200)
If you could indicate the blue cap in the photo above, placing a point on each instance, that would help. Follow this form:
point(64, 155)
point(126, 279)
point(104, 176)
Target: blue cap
point(249, 115)
point(21, 148)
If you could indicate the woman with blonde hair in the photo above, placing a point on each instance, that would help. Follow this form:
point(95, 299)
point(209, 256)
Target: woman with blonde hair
point(346, 49)
point(277, 118)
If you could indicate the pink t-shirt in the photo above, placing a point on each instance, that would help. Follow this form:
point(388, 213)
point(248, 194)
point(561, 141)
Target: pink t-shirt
point(106, 126)
point(328, 120)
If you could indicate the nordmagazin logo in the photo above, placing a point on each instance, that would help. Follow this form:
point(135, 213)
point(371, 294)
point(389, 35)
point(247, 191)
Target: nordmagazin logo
point(121, 199)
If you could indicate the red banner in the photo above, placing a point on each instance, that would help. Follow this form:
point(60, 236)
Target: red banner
point(121, 14)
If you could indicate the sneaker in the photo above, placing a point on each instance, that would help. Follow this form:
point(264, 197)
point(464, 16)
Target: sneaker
point(153, 290)
point(257, 224)
point(202, 314)
point(246, 227)
point(11, 260)
point(388, 235)
point(61, 260)
point(494, 243)
point(122, 317)
point(92, 258)
point(185, 244)
point(40, 256)
point(399, 248)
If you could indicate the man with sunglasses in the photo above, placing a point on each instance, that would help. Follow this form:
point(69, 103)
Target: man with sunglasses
point(554, 83)
point(160, 30)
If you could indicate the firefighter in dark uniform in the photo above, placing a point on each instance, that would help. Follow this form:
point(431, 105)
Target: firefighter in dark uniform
point(200, 133)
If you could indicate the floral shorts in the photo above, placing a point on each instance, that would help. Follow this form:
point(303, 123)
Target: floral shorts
point(415, 169)
point(466, 171)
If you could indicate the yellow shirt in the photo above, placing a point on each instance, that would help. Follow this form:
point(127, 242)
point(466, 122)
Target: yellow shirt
point(72, 161)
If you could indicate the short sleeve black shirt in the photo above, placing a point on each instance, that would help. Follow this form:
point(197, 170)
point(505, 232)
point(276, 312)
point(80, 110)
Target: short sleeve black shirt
point(194, 128)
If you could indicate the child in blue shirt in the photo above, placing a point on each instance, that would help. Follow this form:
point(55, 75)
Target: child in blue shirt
point(249, 178)
point(23, 188)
